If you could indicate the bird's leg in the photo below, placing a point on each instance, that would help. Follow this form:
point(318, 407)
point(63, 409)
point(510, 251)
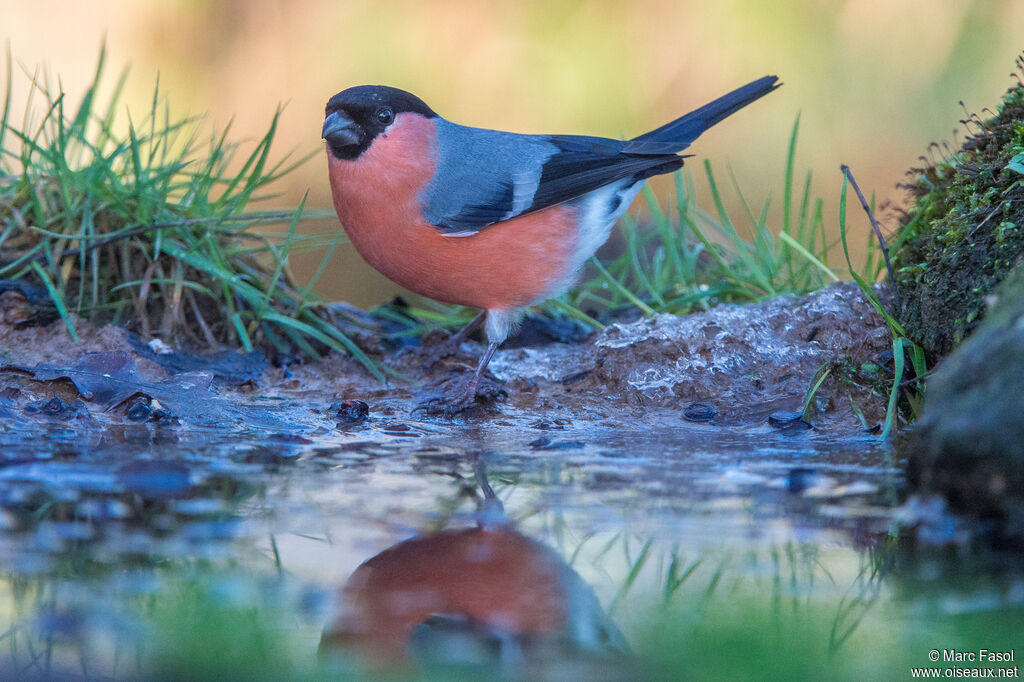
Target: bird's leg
point(452, 344)
point(491, 514)
point(499, 322)
point(466, 395)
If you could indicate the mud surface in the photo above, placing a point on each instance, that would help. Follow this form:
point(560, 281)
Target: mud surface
point(742, 363)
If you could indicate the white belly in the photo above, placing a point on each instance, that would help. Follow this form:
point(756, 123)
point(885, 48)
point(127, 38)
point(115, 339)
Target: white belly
point(598, 211)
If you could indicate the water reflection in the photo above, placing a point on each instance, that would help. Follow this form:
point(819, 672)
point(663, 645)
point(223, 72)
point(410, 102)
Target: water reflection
point(486, 596)
point(135, 554)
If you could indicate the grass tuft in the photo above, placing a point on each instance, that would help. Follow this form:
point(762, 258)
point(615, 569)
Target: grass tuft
point(149, 224)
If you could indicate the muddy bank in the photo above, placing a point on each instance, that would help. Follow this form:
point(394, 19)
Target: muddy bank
point(732, 365)
point(744, 362)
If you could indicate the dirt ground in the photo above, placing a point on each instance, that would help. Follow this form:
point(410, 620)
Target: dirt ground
point(734, 365)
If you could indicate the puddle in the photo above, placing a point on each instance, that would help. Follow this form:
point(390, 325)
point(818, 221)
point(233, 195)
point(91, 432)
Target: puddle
point(149, 552)
point(665, 513)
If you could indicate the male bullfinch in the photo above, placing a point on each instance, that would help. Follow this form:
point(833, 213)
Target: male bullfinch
point(495, 220)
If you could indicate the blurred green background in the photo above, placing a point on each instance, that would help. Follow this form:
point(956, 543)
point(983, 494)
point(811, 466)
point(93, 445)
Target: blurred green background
point(874, 81)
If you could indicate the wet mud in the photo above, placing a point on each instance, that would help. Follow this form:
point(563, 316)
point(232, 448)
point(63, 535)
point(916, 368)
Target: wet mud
point(733, 366)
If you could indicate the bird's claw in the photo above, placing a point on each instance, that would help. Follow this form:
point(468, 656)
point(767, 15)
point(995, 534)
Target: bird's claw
point(467, 396)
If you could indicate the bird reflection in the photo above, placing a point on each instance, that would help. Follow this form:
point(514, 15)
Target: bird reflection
point(479, 597)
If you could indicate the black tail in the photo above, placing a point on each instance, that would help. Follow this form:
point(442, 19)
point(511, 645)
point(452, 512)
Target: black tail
point(677, 135)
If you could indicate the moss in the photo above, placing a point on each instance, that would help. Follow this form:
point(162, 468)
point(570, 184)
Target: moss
point(961, 236)
point(969, 445)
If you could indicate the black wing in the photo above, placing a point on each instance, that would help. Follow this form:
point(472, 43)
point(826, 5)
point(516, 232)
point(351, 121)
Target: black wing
point(474, 188)
point(584, 164)
point(570, 167)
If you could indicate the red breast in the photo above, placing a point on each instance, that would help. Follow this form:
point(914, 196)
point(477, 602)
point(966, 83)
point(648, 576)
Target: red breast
point(506, 265)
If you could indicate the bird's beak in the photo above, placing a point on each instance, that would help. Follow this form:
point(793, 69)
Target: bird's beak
point(340, 130)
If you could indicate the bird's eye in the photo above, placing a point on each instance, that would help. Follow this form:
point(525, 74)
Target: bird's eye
point(385, 116)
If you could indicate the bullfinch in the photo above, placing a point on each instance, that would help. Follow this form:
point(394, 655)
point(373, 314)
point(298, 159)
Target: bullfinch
point(477, 217)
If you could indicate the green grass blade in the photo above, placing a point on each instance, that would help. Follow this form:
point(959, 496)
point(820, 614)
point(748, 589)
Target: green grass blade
point(58, 300)
point(305, 293)
point(5, 116)
point(621, 288)
point(634, 571)
point(787, 192)
point(811, 258)
point(894, 326)
point(894, 395)
point(243, 335)
point(742, 249)
point(282, 258)
point(808, 409)
point(327, 335)
point(575, 313)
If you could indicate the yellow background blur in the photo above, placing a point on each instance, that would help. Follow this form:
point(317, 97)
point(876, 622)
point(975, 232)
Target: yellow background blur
point(875, 81)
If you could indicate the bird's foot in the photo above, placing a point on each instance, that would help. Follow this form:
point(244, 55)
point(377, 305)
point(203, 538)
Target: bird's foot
point(471, 392)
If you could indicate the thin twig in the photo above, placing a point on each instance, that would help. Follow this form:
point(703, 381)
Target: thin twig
point(210, 338)
point(917, 379)
point(143, 297)
point(987, 218)
point(878, 231)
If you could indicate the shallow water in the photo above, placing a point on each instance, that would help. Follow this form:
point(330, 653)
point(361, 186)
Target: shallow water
point(150, 551)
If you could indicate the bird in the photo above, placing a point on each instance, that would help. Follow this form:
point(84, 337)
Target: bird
point(486, 218)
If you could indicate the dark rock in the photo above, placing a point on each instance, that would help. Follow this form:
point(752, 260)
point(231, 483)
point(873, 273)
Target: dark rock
point(800, 479)
point(541, 330)
point(36, 295)
point(546, 443)
point(165, 416)
point(545, 424)
point(969, 443)
point(56, 408)
point(140, 410)
point(289, 439)
point(25, 305)
point(350, 412)
point(785, 418)
point(52, 406)
point(699, 412)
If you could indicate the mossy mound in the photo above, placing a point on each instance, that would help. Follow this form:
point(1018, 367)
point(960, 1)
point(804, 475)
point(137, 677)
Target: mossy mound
point(965, 231)
point(969, 444)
